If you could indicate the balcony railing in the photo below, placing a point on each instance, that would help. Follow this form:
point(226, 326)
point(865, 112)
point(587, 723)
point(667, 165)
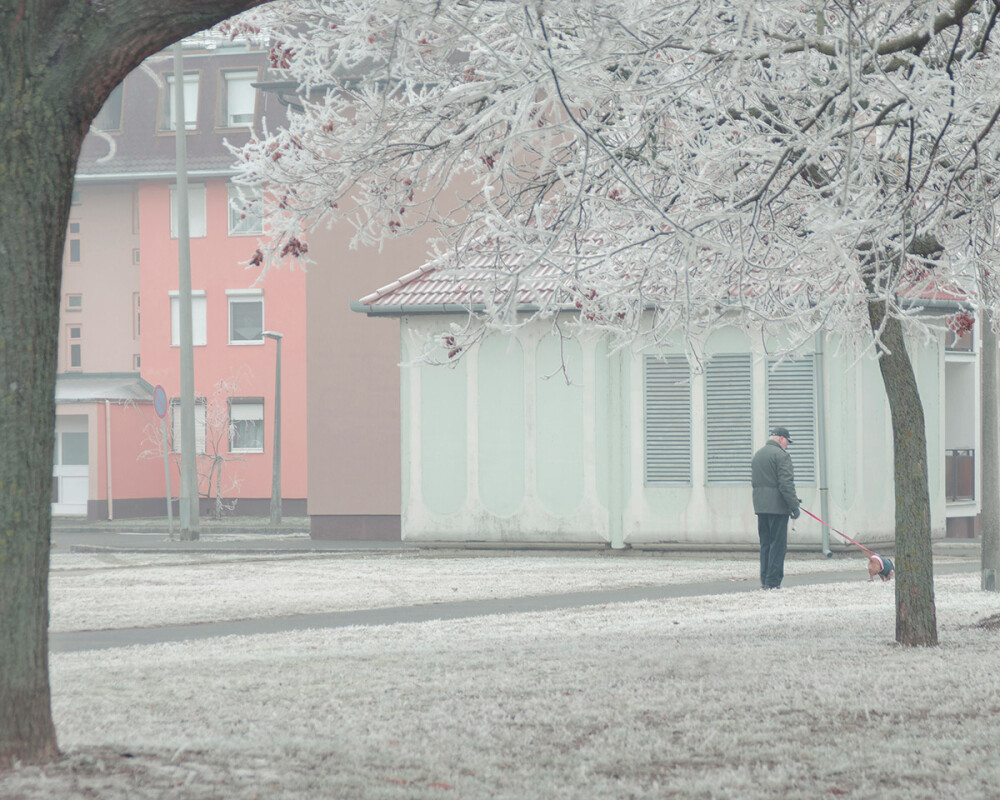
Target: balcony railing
point(959, 475)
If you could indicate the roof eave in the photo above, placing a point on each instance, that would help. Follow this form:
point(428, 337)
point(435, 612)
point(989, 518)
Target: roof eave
point(115, 177)
point(429, 308)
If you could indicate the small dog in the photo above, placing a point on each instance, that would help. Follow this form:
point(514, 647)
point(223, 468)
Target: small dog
point(881, 566)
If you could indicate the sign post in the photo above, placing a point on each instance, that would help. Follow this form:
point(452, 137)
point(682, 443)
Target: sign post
point(160, 406)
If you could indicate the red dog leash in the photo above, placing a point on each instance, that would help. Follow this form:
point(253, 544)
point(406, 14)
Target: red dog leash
point(821, 522)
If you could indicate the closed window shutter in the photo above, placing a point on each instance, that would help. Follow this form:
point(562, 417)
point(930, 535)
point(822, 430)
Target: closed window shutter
point(729, 418)
point(791, 403)
point(200, 424)
point(668, 421)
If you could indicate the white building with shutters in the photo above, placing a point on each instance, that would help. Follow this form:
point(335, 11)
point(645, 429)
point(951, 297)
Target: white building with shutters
point(537, 438)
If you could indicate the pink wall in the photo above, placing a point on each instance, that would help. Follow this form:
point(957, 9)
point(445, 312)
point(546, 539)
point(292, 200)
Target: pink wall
point(133, 474)
point(105, 278)
point(217, 265)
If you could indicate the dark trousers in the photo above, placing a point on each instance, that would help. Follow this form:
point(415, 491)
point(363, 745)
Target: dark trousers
point(773, 532)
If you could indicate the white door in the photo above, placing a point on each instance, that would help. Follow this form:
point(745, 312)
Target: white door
point(70, 471)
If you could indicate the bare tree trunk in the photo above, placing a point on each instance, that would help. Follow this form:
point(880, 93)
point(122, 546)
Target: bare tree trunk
point(990, 458)
point(59, 61)
point(35, 193)
point(916, 618)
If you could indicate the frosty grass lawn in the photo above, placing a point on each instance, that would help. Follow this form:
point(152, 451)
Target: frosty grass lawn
point(793, 694)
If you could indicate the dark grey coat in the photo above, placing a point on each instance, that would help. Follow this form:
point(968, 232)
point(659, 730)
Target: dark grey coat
point(773, 481)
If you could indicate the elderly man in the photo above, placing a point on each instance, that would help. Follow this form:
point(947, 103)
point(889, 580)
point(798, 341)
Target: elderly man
point(774, 501)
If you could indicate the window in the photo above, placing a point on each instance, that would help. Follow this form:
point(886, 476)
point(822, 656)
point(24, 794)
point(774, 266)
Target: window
point(239, 98)
point(75, 335)
point(729, 444)
point(190, 103)
point(246, 425)
point(791, 402)
point(135, 214)
point(73, 243)
point(959, 342)
point(196, 211)
point(73, 450)
point(200, 409)
point(667, 421)
point(199, 325)
point(244, 211)
point(110, 116)
point(246, 317)
point(74, 302)
point(136, 316)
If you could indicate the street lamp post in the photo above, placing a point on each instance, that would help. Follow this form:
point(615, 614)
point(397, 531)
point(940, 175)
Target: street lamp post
point(276, 469)
point(188, 493)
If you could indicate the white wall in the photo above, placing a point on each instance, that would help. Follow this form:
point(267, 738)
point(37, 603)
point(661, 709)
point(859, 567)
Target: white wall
point(448, 414)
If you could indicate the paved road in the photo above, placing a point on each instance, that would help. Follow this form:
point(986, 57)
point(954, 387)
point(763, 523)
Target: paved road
point(124, 637)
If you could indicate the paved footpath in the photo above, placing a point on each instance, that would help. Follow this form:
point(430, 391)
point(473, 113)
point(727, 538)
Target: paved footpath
point(124, 637)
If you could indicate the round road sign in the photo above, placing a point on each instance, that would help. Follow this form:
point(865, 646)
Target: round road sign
point(160, 401)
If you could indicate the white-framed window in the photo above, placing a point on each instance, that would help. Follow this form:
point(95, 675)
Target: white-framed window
point(199, 323)
point(791, 403)
point(244, 220)
point(246, 316)
point(197, 225)
point(73, 243)
point(200, 417)
point(667, 408)
point(74, 302)
point(239, 97)
point(729, 443)
point(109, 118)
point(190, 102)
point(246, 424)
point(74, 335)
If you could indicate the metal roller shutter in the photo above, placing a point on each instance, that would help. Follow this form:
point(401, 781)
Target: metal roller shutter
point(668, 421)
point(729, 444)
point(791, 402)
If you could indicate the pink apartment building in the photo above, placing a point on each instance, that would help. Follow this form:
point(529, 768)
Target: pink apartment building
point(119, 338)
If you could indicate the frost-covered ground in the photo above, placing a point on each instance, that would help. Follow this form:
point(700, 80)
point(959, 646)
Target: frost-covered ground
point(793, 694)
point(123, 590)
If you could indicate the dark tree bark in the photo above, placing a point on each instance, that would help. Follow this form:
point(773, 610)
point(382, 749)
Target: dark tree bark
point(916, 618)
point(59, 60)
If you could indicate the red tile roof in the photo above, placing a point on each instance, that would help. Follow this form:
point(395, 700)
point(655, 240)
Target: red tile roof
point(488, 278)
point(481, 282)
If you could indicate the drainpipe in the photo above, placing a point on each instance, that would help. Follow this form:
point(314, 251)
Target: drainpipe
point(824, 492)
point(107, 455)
point(619, 445)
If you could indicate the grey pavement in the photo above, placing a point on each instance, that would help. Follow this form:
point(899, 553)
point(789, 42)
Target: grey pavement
point(95, 538)
point(950, 557)
point(97, 542)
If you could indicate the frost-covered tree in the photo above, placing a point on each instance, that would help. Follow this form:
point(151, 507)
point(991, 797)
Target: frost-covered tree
point(59, 59)
point(795, 165)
